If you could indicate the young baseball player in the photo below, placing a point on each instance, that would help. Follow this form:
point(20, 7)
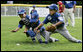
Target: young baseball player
point(69, 11)
point(58, 22)
point(24, 21)
point(34, 23)
point(33, 9)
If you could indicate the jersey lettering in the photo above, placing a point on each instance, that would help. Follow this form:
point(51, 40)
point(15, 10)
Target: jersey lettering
point(49, 17)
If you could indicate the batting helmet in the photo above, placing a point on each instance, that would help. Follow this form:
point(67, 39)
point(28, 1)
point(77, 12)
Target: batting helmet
point(53, 7)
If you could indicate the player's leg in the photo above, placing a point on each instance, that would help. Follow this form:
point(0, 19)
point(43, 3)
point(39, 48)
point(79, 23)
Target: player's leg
point(66, 17)
point(71, 14)
point(47, 37)
point(31, 34)
point(62, 15)
point(39, 38)
point(67, 35)
point(33, 39)
point(51, 39)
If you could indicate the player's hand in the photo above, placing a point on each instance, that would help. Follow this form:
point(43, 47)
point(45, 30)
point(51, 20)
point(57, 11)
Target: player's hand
point(38, 31)
point(73, 11)
point(35, 29)
point(24, 15)
point(13, 31)
point(53, 25)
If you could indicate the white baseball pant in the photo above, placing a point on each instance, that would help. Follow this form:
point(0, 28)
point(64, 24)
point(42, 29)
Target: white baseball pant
point(69, 13)
point(64, 32)
point(46, 36)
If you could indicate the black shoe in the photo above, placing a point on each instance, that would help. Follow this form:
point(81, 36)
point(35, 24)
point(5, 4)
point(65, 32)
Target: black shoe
point(51, 41)
point(40, 41)
point(56, 40)
point(79, 41)
point(46, 42)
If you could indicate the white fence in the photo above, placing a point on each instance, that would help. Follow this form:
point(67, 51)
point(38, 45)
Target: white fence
point(42, 11)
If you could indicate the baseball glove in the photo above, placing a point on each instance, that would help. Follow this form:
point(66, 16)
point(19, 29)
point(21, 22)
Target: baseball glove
point(50, 28)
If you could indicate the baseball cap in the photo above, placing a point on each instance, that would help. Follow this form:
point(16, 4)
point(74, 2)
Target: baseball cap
point(60, 3)
point(53, 7)
point(22, 11)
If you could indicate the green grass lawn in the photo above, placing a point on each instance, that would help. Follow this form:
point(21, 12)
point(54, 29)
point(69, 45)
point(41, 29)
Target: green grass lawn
point(9, 39)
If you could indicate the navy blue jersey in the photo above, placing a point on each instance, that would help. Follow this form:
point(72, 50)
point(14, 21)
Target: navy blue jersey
point(54, 19)
point(69, 4)
point(34, 19)
point(24, 22)
point(34, 25)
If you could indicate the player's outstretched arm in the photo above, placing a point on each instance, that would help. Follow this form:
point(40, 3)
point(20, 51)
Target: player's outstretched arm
point(58, 23)
point(15, 30)
point(25, 29)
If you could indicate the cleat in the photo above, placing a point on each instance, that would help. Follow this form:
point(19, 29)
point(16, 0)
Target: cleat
point(56, 40)
point(40, 41)
point(79, 41)
point(53, 40)
point(46, 42)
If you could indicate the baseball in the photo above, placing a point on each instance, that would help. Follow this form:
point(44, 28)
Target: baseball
point(18, 44)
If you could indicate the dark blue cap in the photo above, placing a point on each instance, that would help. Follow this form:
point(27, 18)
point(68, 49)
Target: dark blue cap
point(53, 7)
point(22, 11)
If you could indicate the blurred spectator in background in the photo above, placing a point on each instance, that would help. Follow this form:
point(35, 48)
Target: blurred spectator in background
point(60, 8)
point(9, 2)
